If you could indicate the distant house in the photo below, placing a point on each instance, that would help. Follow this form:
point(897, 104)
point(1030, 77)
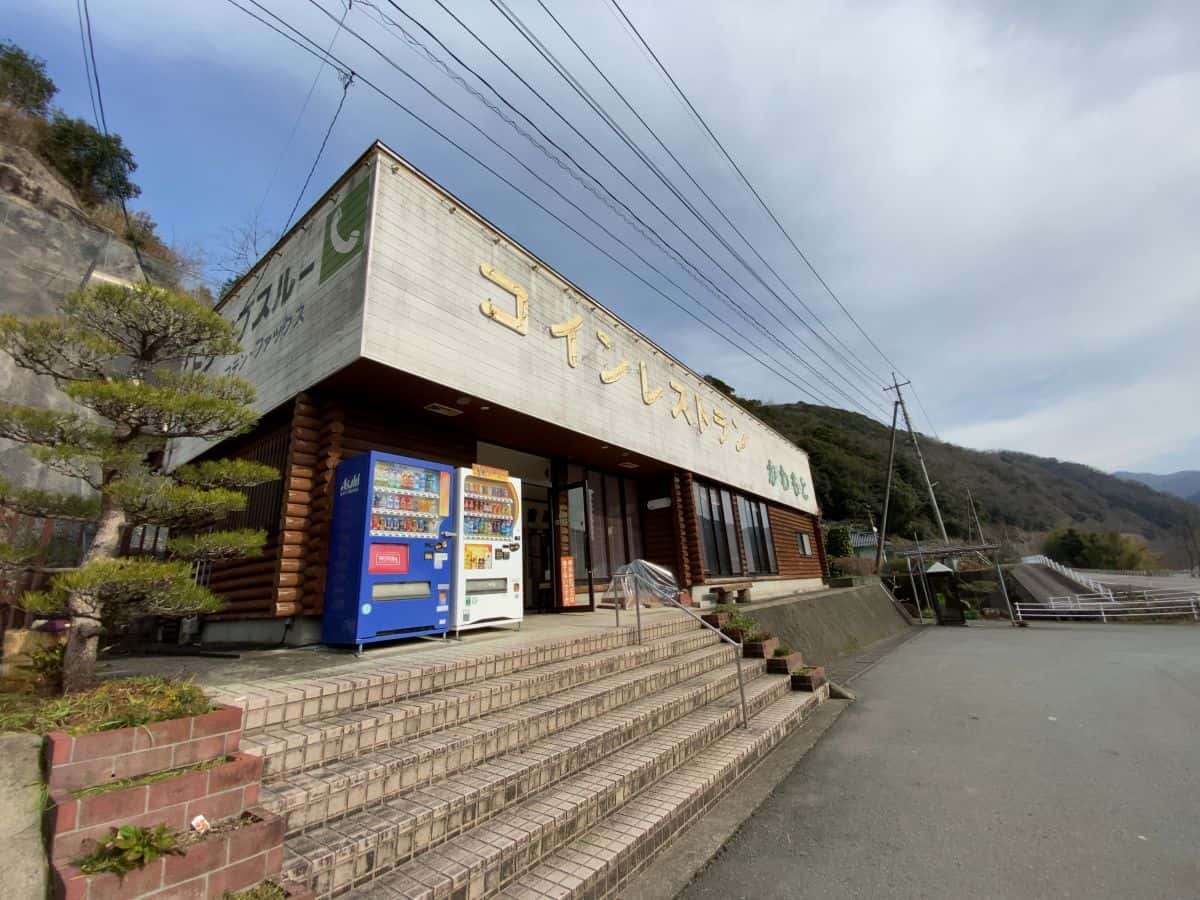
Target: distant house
point(864, 543)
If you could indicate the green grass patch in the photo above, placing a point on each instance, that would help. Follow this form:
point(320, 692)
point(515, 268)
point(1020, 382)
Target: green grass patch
point(113, 704)
point(109, 787)
point(268, 890)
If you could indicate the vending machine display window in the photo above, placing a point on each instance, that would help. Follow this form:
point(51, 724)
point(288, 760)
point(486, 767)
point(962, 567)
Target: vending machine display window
point(405, 500)
point(489, 571)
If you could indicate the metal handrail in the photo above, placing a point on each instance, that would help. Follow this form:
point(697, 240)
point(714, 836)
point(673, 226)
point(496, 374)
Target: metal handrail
point(637, 603)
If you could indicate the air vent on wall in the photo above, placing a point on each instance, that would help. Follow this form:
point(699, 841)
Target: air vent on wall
point(442, 409)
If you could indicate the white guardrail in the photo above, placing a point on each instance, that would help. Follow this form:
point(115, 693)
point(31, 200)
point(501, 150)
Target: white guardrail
point(1093, 586)
point(1131, 605)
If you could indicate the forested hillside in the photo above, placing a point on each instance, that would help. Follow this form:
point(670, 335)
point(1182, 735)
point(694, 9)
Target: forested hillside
point(1024, 492)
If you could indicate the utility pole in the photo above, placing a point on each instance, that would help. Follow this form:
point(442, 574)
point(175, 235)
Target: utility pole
point(975, 514)
point(887, 494)
point(896, 385)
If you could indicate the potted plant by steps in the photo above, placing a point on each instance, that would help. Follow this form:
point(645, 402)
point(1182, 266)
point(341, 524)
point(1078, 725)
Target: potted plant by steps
point(808, 678)
point(759, 645)
point(719, 616)
point(784, 661)
point(738, 626)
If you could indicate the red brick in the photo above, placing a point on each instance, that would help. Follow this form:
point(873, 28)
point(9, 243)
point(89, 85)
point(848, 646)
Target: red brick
point(59, 746)
point(237, 876)
point(215, 807)
point(74, 843)
point(233, 740)
point(142, 762)
point(199, 750)
point(73, 776)
point(179, 789)
point(200, 859)
point(257, 838)
point(241, 770)
point(102, 743)
point(134, 884)
point(62, 815)
point(250, 794)
point(162, 734)
point(219, 721)
point(196, 889)
point(68, 882)
point(123, 804)
point(274, 861)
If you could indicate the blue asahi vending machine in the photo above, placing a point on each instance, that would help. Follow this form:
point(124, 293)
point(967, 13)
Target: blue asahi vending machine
point(392, 550)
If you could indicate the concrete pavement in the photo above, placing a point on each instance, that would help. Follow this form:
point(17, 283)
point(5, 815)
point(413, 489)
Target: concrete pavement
point(990, 762)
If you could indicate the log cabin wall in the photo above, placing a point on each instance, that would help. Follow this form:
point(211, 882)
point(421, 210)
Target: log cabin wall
point(248, 584)
point(687, 525)
point(786, 527)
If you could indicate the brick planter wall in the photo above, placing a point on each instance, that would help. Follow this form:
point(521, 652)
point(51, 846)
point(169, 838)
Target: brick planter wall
point(219, 863)
point(217, 793)
point(79, 761)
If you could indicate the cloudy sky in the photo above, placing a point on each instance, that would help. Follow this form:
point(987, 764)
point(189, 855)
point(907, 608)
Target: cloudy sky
point(1005, 195)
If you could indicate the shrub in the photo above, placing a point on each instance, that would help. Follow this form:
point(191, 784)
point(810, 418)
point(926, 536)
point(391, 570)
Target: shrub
point(130, 847)
point(114, 704)
point(96, 165)
point(23, 80)
point(837, 542)
point(783, 650)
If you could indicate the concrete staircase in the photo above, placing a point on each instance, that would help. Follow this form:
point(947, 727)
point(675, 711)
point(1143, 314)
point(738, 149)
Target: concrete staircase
point(550, 770)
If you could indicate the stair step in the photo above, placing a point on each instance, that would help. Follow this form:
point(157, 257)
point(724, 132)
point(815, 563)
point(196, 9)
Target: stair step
point(309, 799)
point(483, 858)
point(387, 676)
point(600, 862)
point(298, 747)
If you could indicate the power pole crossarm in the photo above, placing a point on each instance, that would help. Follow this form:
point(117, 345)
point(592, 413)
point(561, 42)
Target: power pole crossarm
point(937, 513)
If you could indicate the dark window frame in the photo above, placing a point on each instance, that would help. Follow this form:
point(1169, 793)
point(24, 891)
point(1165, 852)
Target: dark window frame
point(621, 544)
point(717, 527)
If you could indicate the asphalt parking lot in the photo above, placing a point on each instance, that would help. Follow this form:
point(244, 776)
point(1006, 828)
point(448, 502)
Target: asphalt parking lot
point(1061, 760)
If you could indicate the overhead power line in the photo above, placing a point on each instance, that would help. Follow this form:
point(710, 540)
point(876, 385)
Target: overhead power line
point(315, 50)
point(95, 76)
point(757, 196)
point(855, 362)
point(300, 114)
point(620, 171)
point(486, 136)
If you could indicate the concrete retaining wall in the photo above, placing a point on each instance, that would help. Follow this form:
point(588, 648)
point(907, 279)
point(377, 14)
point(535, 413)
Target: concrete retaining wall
point(829, 624)
point(21, 798)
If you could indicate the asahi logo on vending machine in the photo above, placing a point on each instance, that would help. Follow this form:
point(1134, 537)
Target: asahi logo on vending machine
point(348, 486)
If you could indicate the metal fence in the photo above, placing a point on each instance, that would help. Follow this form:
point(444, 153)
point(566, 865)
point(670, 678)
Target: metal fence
point(1067, 572)
point(1132, 605)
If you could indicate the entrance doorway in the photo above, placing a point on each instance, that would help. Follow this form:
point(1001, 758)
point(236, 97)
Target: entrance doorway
point(572, 532)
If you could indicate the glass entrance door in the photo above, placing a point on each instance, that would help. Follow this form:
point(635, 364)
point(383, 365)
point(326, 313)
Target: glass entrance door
point(573, 573)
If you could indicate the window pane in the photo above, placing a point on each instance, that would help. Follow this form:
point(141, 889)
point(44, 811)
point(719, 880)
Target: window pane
point(719, 532)
point(708, 546)
point(576, 521)
point(595, 486)
point(749, 538)
point(735, 560)
point(614, 522)
point(768, 540)
point(633, 519)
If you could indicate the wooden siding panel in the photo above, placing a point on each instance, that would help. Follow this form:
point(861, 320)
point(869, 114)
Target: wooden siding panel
point(786, 524)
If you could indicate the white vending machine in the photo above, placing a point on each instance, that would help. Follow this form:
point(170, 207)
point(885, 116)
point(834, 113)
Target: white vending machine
point(488, 570)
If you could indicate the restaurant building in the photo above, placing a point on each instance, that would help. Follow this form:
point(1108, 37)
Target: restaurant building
point(392, 317)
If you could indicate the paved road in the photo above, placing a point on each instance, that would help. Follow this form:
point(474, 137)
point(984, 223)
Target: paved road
point(1056, 761)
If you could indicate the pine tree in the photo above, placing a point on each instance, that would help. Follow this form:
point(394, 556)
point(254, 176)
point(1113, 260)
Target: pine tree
point(126, 356)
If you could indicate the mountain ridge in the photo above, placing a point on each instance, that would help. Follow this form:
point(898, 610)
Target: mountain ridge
point(1184, 484)
point(1014, 492)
